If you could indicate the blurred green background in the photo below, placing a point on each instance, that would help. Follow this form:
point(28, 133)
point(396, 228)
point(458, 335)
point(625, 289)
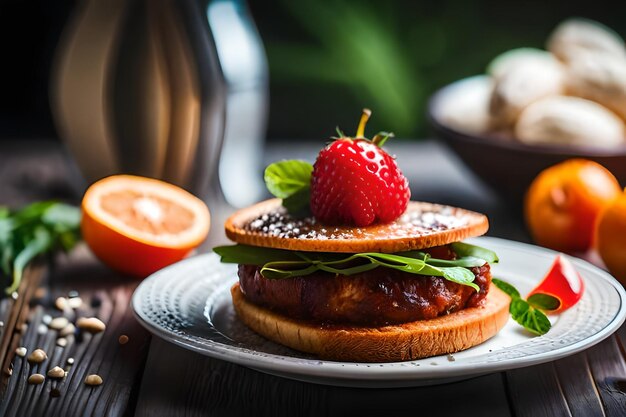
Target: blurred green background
point(328, 58)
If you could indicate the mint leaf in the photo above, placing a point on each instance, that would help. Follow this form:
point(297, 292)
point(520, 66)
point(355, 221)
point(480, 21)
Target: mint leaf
point(286, 178)
point(510, 290)
point(544, 301)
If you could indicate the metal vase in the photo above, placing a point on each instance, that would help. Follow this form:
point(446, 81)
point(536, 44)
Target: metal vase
point(137, 88)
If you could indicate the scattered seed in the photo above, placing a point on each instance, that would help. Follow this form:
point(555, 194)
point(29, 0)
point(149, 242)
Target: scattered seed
point(62, 342)
point(42, 329)
point(451, 358)
point(58, 323)
point(75, 302)
point(70, 361)
point(36, 379)
point(91, 324)
point(8, 371)
point(56, 372)
point(93, 380)
point(72, 294)
point(14, 295)
point(37, 356)
point(123, 339)
point(21, 351)
point(1, 324)
point(61, 303)
point(23, 328)
point(67, 330)
point(46, 319)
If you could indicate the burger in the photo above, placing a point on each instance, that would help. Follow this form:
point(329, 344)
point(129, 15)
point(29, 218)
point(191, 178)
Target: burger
point(342, 265)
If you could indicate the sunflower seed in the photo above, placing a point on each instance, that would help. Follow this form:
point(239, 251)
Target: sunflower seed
point(21, 351)
point(56, 372)
point(93, 380)
point(37, 356)
point(91, 324)
point(36, 379)
point(58, 323)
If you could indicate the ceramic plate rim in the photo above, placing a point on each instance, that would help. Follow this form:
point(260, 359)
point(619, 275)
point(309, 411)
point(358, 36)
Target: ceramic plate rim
point(305, 369)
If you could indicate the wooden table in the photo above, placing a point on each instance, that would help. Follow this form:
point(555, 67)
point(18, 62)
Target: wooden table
point(150, 377)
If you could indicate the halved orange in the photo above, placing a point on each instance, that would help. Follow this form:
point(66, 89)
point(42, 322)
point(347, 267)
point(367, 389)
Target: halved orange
point(139, 225)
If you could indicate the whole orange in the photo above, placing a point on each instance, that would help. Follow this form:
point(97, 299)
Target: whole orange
point(563, 203)
point(139, 225)
point(611, 237)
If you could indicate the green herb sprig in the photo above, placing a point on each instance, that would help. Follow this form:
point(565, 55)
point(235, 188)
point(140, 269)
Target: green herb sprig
point(34, 230)
point(291, 181)
point(282, 264)
point(528, 312)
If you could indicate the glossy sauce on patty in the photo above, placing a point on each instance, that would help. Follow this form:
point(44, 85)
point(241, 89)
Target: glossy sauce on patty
point(378, 297)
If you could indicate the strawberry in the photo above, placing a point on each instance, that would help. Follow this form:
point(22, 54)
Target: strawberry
point(354, 181)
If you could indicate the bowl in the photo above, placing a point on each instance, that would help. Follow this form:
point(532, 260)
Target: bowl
point(506, 165)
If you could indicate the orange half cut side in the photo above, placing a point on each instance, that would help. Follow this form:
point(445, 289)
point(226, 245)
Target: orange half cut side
point(139, 225)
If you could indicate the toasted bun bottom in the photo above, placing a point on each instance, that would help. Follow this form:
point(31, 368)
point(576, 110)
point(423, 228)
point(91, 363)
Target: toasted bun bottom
point(419, 339)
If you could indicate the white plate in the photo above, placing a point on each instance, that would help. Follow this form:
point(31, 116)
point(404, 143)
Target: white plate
point(189, 304)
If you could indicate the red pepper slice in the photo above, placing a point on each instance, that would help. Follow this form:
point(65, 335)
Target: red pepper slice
point(562, 282)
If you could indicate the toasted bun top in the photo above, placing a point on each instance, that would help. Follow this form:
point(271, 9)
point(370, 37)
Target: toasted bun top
point(423, 225)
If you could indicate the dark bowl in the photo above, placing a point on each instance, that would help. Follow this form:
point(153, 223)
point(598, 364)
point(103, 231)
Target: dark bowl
point(506, 165)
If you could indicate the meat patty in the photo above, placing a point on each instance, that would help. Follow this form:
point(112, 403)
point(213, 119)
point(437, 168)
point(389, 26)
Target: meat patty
point(377, 297)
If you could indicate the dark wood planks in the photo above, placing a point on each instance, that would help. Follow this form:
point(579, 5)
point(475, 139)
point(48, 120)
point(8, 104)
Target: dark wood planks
point(13, 314)
point(608, 368)
point(107, 297)
point(176, 382)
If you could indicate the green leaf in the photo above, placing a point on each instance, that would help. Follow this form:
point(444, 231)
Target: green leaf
point(36, 229)
point(522, 312)
point(460, 276)
point(463, 249)
point(510, 290)
point(62, 217)
point(298, 204)
point(39, 244)
point(280, 264)
point(253, 255)
point(544, 301)
point(529, 317)
point(286, 178)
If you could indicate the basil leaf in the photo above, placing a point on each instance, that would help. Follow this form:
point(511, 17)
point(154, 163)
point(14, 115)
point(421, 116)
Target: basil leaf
point(510, 290)
point(299, 203)
point(463, 249)
point(253, 255)
point(281, 270)
point(460, 276)
point(62, 217)
point(32, 231)
point(40, 243)
point(522, 311)
point(284, 179)
point(544, 301)
point(529, 317)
